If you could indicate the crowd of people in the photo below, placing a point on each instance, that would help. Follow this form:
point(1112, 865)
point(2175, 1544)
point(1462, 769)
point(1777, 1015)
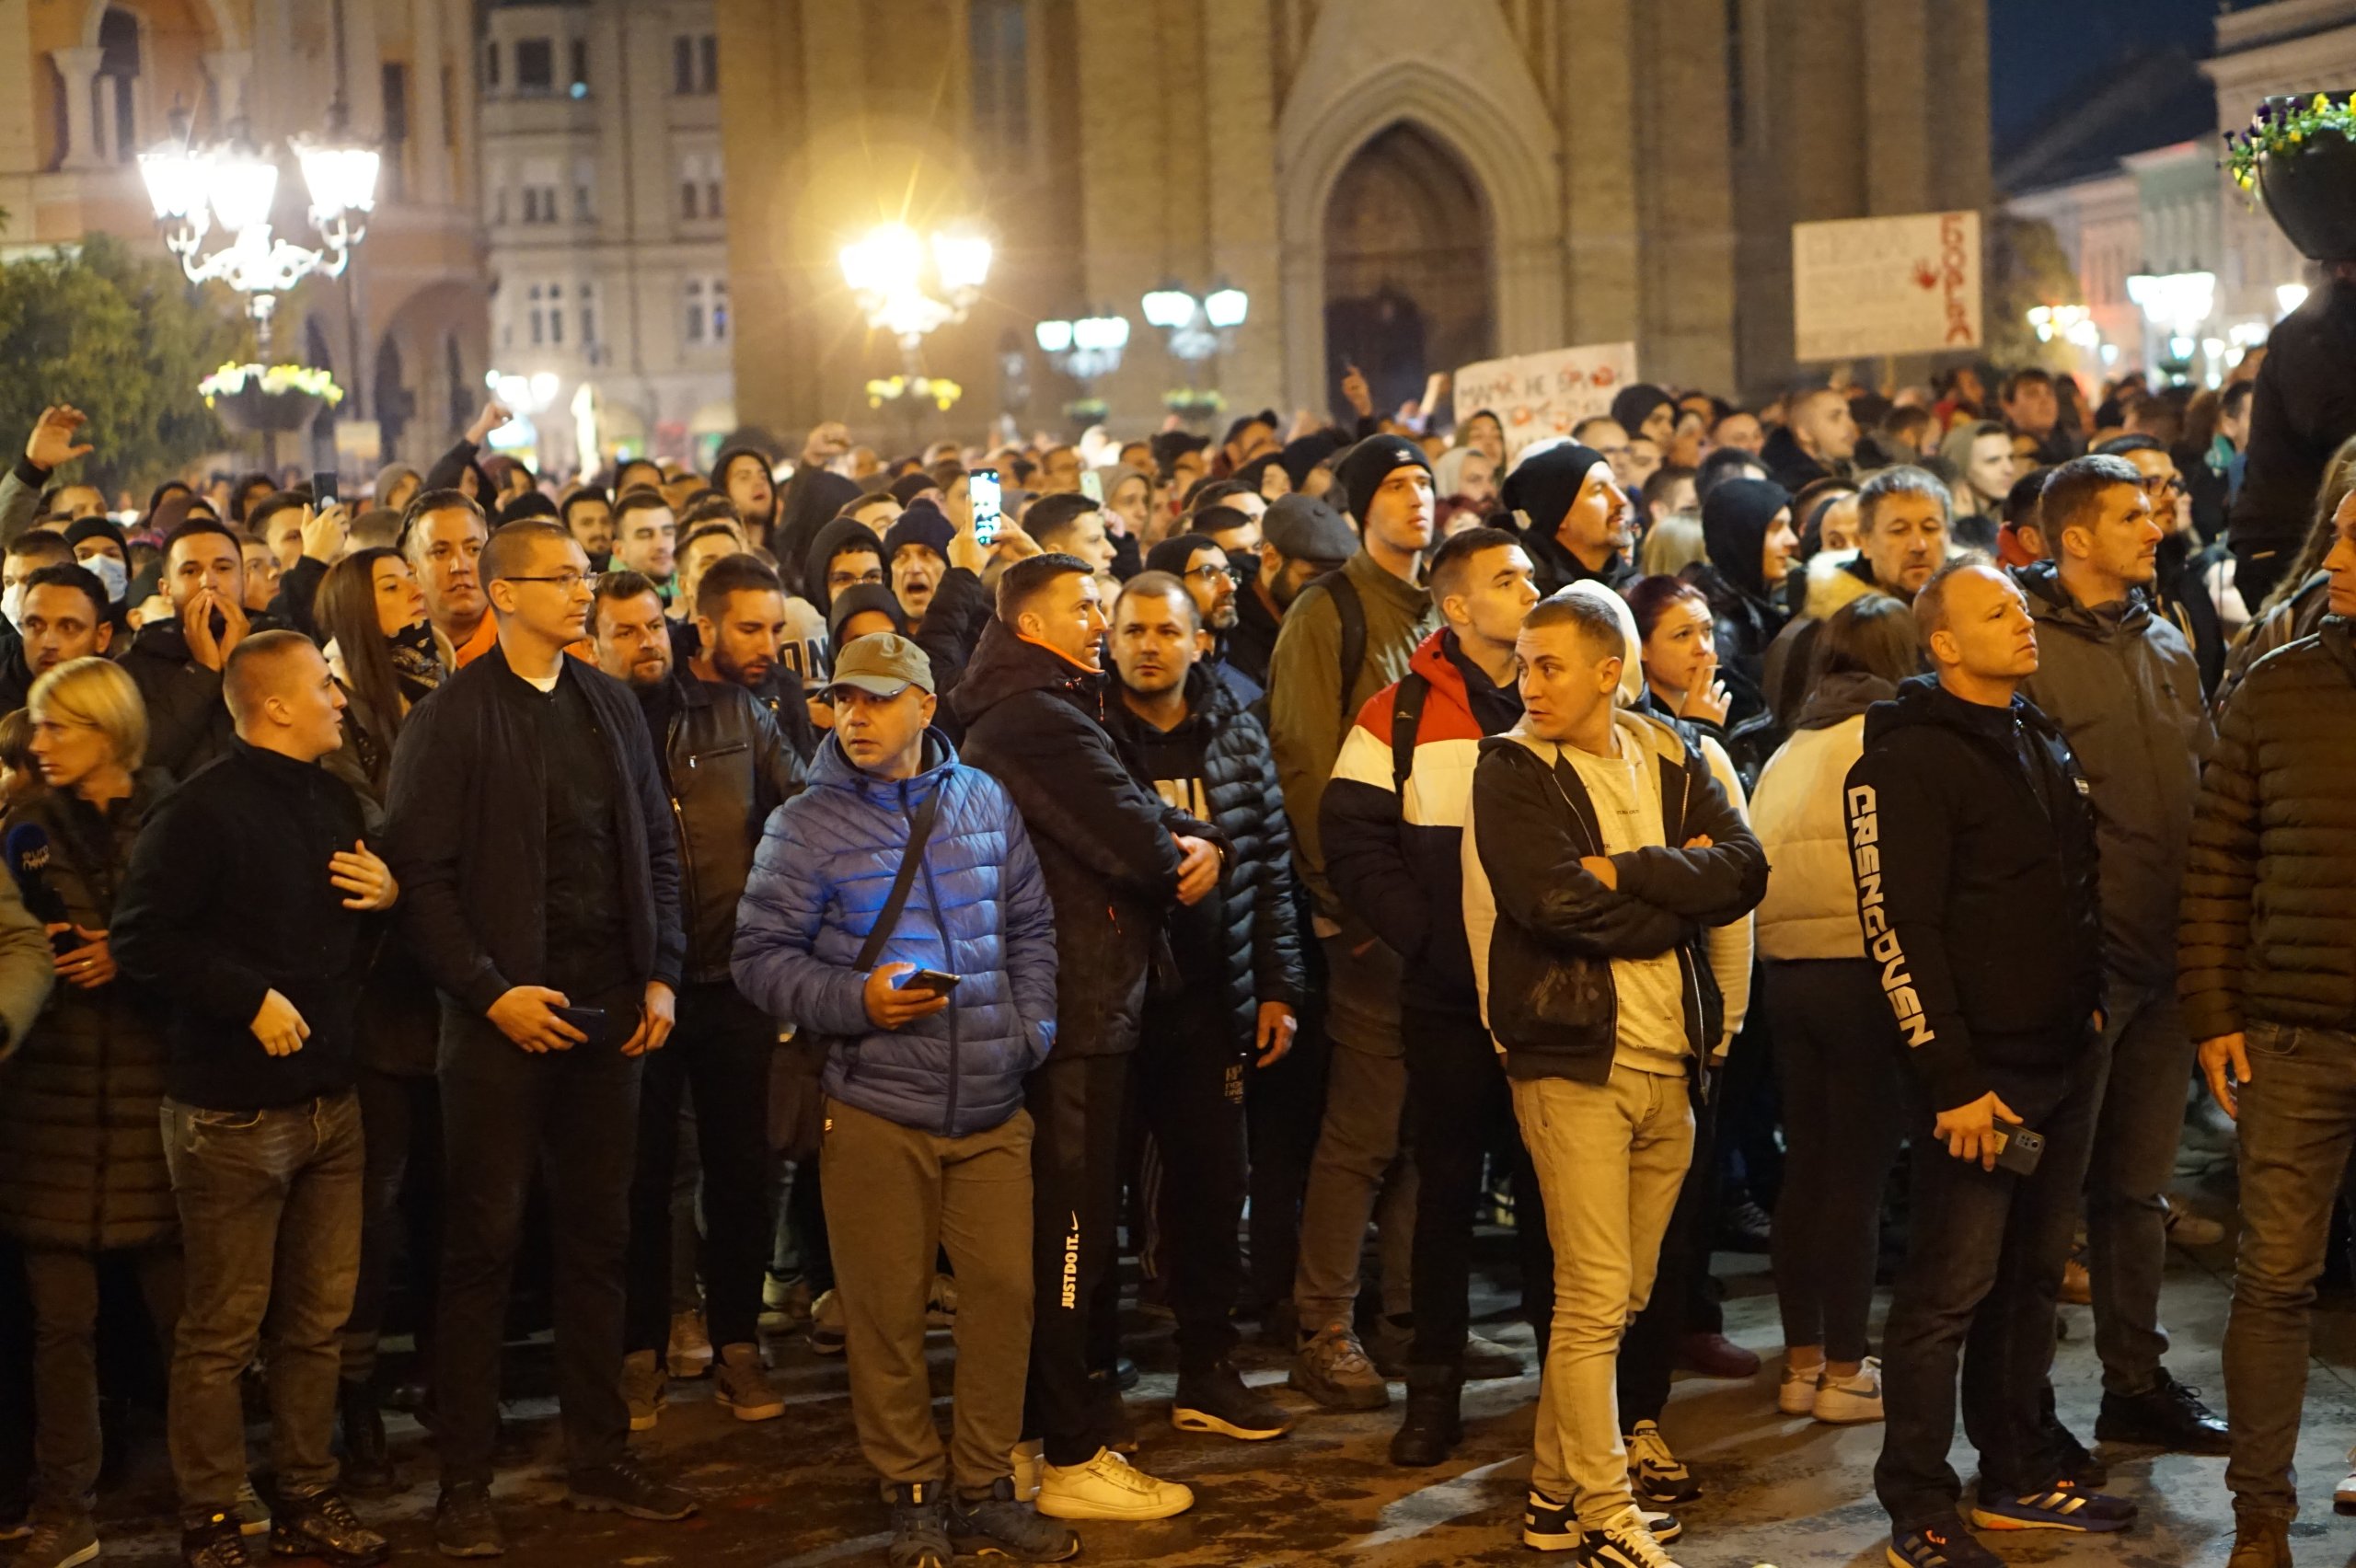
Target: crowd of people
point(856, 914)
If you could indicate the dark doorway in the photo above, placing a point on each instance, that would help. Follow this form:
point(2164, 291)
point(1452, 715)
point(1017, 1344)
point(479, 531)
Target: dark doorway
point(1407, 253)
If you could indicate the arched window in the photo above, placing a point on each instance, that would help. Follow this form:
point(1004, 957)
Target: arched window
point(115, 88)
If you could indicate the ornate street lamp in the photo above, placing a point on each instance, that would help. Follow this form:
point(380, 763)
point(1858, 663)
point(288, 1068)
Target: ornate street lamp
point(233, 186)
point(1087, 348)
point(1197, 328)
point(909, 284)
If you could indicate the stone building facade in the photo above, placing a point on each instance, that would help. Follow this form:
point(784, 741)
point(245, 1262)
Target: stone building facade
point(1482, 176)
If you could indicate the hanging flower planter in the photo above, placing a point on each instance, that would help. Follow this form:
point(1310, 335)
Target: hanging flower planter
point(2300, 154)
point(261, 399)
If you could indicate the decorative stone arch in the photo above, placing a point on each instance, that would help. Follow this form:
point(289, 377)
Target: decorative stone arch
point(226, 31)
point(1468, 90)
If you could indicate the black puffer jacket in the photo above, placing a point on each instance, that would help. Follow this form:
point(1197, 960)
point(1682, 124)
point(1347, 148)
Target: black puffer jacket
point(1225, 748)
point(188, 725)
point(2302, 408)
point(81, 1167)
point(2269, 893)
point(1973, 849)
point(1034, 721)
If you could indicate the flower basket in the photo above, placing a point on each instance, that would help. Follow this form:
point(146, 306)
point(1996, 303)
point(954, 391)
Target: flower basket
point(2300, 154)
point(254, 398)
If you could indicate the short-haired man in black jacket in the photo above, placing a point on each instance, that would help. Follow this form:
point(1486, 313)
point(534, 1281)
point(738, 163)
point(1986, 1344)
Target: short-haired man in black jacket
point(739, 636)
point(727, 769)
point(1116, 859)
point(1972, 844)
point(1238, 958)
point(529, 824)
point(1600, 854)
point(177, 664)
point(246, 904)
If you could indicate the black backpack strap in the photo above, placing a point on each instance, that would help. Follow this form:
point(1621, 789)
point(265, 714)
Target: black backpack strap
point(888, 917)
point(1406, 719)
point(1351, 609)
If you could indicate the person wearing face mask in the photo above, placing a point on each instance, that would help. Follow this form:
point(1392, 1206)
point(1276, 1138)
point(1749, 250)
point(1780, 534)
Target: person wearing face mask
point(1574, 519)
point(1747, 531)
point(99, 544)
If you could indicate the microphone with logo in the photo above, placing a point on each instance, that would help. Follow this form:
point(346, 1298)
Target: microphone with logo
point(28, 852)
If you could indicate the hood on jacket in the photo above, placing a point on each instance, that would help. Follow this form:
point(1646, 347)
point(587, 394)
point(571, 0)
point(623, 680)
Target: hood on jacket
point(1836, 578)
point(836, 536)
point(1790, 467)
point(835, 771)
point(1635, 405)
point(1922, 700)
point(1735, 520)
point(1843, 696)
point(2050, 603)
point(1005, 665)
point(1656, 736)
point(1632, 661)
point(859, 597)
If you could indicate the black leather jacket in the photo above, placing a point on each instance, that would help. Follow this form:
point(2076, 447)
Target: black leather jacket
point(726, 766)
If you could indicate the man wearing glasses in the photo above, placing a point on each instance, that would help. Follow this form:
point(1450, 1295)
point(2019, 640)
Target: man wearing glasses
point(2180, 588)
point(528, 818)
point(1196, 561)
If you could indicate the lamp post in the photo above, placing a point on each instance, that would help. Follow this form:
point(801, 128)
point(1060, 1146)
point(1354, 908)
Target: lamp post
point(1198, 329)
point(1087, 348)
point(233, 186)
point(910, 285)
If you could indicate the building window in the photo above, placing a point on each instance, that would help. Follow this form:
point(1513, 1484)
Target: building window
point(499, 210)
point(535, 65)
point(556, 314)
point(490, 63)
point(115, 112)
point(707, 300)
point(699, 185)
point(720, 310)
point(698, 316)
point(539, 315)
point(999, 35)
point(584, 185)
point(588, 316)
point(395, 158)
point(694, 65)
point(687, 199)
point(580, 67)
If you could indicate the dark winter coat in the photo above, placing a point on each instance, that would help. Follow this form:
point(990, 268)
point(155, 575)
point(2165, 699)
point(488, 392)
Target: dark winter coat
point(1396, 860)
point(2120, 683)
point(727, 768)
point(1788, 464)
point(2302, 408)
point(81, 1166)
point(1974, 851)
point(1034, 721)
point(977, 908)
point(188, 725)
point(2270, 892)
point(1225, 748)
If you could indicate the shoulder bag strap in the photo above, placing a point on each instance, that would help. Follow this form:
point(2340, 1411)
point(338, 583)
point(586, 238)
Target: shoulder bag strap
point(887, 919)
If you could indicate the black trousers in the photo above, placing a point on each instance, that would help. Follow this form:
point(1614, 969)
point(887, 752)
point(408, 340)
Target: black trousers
point(720, 1053)
point(1981, 1285)
point(1190, 1076)
point(571, 1116)
point(1075, 1105)
point(1284, 1107)
point(1458, 1111)
point(400, 1119)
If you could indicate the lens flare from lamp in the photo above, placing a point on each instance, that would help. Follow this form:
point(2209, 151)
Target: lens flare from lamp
point(1096, 333)
point(1055, 337)
point(1169, 308)
point(887, 261)
point(962, 261)
point(2288, 297)
point(340, 180)
point(242, 187)
point(1227, 306)
point(177, 178)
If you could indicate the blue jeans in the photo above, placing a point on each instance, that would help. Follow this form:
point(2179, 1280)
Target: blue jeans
point(1979, 1292)
point(2298, 1120)
point(270, 1206)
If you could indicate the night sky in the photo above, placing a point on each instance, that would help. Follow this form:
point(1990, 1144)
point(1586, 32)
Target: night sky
point(2037, 48)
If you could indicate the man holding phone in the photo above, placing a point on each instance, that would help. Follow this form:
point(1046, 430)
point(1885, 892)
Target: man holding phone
point(527, 818)
point(1973, 847)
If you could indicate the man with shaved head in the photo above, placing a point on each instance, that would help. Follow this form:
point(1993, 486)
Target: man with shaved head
point(248, 908)
point(1816, 442)
point(528, 815)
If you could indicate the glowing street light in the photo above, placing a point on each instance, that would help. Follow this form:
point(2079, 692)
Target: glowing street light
point(1087, 348)
point(909, 285)
point(1197, 328)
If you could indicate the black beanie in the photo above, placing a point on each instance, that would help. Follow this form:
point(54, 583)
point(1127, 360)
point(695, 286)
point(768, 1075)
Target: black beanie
point(862, 596)
point(1172, 554)
point(921, 524)
point(1635, 404)
point(1543, 486)
point(1735, 520)
point(1363, 467)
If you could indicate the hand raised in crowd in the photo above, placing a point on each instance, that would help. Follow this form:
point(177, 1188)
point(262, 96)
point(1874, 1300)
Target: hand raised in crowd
point(1199, 870)
point(1970, 1130)
point(88, 966)
point(1273, 1037)
point(522, 1014)
point(1705, 698)
point(278, 1026)
point(196, 621)
point(494, 414)
point(2224, 1062)
point(888, 1007)
point(52, 445)
point(1357, 393)
point(328, 533)
point(359, 872)
point(655, 1017)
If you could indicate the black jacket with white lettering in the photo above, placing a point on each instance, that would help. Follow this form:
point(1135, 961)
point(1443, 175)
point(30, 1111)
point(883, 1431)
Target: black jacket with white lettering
point(1974, 845)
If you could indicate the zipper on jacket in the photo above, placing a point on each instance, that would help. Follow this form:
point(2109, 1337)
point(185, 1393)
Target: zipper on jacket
point(679, 825)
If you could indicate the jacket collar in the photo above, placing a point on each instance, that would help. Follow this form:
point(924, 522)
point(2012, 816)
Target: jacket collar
point(2051, 604)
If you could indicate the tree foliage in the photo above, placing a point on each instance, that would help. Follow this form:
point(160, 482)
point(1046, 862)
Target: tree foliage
point(2026, 266)
point(125, 339)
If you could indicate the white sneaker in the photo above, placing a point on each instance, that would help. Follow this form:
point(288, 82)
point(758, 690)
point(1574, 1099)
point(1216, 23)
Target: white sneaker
point(1796, 1395)
point(2343, 1496)
point(1846, 1401)
point(1108, 1487)
point(1625, 1542)
point(828, 1334)
point(690, 1350)
point(1030, 1459)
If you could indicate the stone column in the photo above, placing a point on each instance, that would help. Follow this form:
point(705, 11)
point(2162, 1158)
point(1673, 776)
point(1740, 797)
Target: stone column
point(77, 68)
point(429, 127)
point(1597, 112)
point(1240, 136)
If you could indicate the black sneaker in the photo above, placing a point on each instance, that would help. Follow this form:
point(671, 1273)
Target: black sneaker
point(1547, 1524)
point(998, 1525)
point(919, 1525)
point(2167, 1415)
point(1220, 1400)
point(215, 1542)
point(2064, 1505)
point(323, 1525)
point(623, 1488)
point(1941, 1543)
point(465, 1526)
point(367, 1462)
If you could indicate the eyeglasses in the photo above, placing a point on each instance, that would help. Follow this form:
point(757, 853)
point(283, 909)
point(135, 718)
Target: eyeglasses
point(2165, 487)
point(1211, 571)
point(567, 581)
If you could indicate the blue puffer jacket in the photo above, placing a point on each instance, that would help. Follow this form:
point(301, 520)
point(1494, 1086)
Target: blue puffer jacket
point(978, 909)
